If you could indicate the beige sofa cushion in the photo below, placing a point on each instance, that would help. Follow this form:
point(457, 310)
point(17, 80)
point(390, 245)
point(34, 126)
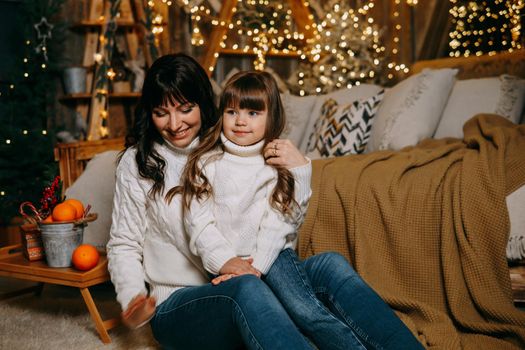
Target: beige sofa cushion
point(502, 95)
point(411, 110)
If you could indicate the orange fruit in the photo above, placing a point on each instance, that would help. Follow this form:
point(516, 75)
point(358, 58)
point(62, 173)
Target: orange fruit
point(85, 257)
point(78, 206)
point(64, 212)
point(48, 219)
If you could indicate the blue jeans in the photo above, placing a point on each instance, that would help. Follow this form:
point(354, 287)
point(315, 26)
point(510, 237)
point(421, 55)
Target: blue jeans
point(241, 312)
point(306, 289)
point(288, 280)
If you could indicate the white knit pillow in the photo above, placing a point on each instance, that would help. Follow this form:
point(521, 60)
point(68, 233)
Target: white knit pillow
point(297, 110)
point(411, 110)
point(96, 186)
point(503, 95)
point(516, 207)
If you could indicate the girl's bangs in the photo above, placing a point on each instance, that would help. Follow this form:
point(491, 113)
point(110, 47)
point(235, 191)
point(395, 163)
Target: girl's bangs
point(252, 98)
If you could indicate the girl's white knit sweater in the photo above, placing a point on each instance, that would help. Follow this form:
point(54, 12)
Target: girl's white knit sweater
point(148, 244)
point(238, 220)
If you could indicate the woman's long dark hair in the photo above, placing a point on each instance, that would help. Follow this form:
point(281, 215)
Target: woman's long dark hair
point(252, 90)
point(171, 78)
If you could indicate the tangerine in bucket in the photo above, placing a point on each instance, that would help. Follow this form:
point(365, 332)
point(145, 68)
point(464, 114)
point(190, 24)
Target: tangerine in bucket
point(64, 212)
point(78, 206)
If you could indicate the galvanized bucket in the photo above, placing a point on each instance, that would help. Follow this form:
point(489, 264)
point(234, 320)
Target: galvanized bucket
point(75, 80)
point(60, 240)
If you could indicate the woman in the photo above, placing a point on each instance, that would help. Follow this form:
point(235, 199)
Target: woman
point(167, 285)
point(176, 108)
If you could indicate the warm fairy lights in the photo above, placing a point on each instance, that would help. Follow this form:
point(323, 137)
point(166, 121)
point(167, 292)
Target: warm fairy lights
point(346, 51)
point(485, 27)
point(262, 26)
point(257, 26)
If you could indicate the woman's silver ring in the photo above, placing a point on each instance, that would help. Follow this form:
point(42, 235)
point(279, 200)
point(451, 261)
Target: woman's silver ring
point(275, 146)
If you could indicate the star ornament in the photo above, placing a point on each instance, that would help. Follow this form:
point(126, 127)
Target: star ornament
point(43, 29)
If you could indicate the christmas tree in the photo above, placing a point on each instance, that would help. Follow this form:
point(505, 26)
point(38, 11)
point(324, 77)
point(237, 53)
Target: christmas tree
point(26, 145)
point(347, 51)
point(480, 27)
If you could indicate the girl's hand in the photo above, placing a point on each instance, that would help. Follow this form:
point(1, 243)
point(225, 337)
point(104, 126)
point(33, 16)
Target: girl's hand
point(140, 310)
point(238, 266)
point(283, 152)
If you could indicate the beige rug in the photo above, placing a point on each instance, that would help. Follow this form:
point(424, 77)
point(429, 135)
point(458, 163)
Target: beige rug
point(59, 319)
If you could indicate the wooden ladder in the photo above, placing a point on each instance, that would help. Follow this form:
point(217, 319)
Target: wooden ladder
point(98, 16)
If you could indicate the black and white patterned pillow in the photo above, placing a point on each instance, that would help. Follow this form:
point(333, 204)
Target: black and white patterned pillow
point(342, 130)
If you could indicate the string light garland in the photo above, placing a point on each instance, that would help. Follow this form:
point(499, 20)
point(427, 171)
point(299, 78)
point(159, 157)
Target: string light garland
point(485, 27)
point(154, 27)
point(105, 73)
point(25, 105)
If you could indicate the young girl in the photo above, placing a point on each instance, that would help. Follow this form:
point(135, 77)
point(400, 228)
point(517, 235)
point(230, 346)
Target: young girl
point(249, 196)
point(241, 212)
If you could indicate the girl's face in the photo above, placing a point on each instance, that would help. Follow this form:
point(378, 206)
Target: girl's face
point(179, 123)
point(244, 127)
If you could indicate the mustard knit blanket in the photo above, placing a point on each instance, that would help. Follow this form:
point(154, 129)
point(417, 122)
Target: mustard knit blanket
point(427, 228)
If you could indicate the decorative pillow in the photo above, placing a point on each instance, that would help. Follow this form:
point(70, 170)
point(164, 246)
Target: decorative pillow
point(410, 111)
point(502, 95)
point(343, 130)
point(297, 111)
point(96, 186)
point(342, 96)
point(516, 207)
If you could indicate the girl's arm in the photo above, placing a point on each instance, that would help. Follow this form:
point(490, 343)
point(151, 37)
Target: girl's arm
point(283, 153)
point(302, 191)
point(205, 240)
point(275, 234)
point(125, 245)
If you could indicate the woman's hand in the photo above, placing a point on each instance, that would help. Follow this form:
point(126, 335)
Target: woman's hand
point(236, 267)
point(140, 309)
point(283, 152)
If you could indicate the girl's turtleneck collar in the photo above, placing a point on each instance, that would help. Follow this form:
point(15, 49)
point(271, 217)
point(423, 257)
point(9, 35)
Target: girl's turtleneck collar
point(242, 151)
point(184, 151)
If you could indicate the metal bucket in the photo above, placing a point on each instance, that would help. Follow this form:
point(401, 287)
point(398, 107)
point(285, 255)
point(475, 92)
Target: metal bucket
point(75, 80)
point(60, 240)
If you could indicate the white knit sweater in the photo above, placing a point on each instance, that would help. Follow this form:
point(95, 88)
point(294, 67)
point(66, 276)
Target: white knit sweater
point(238, 219)
point(148, 244)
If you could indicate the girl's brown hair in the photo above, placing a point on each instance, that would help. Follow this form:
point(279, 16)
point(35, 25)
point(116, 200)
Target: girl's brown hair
point(252, 90)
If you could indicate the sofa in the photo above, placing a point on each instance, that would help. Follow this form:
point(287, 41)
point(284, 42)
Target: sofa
point(344, 130)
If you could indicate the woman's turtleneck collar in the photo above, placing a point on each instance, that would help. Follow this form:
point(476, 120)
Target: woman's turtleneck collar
point(242, 151)
point(184, 151)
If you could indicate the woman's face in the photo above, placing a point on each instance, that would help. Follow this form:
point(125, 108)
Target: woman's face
point(179, 123)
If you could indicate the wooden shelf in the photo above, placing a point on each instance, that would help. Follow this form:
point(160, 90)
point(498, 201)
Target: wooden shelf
point(241, 52)
point(87, 96)
point(98, 24)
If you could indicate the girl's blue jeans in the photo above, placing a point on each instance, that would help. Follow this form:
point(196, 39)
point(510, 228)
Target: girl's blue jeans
point(334, 306)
